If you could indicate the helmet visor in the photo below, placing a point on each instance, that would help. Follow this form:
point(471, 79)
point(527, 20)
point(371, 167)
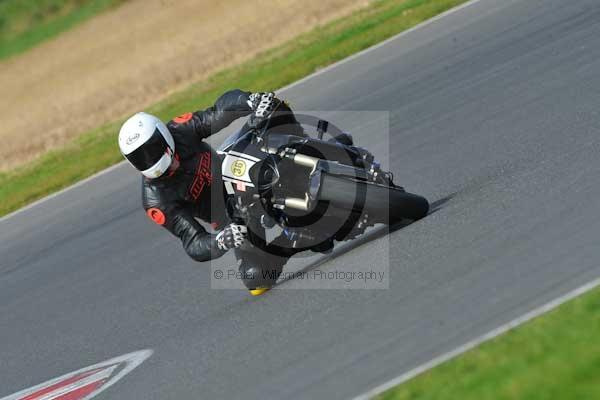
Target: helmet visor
point(149, 153)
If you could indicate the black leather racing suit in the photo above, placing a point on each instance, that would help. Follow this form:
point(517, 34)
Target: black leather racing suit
point(195, 189)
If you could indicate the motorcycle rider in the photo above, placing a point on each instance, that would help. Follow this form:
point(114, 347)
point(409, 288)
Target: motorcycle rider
point(182, 173)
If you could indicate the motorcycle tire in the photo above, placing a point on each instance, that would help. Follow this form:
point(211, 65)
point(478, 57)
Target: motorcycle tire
point(383, 204)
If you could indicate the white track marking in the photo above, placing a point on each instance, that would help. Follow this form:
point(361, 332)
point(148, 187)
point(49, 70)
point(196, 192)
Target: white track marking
point(479, 340)
point(131, 361)
point(61, 391)
point(380, 44)
point(283, 89)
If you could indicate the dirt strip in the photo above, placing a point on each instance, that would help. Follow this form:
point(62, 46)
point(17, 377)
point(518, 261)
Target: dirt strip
point(131, 57)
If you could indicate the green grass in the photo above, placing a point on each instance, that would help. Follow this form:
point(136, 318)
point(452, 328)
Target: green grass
point(98, 149)
point(555, 356)
point(26, 23)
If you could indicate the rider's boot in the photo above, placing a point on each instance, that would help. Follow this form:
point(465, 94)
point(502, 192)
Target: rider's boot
point(259, 279)
point(258, 291)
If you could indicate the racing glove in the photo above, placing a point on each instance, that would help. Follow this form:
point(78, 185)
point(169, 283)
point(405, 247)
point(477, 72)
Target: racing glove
point(233, 236)
point(262, 105)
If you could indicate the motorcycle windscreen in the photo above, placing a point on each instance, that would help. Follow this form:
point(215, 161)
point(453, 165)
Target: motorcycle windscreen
point(149, 153)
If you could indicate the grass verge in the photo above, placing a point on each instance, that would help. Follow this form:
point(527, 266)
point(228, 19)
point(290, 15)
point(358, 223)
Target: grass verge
point(96, 150)
point(555, 356)
point(26, 23)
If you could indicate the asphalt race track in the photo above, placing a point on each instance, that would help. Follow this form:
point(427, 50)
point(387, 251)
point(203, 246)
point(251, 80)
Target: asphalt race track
point(494, 116)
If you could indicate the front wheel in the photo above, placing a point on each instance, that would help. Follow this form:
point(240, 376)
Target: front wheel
point(383, 204)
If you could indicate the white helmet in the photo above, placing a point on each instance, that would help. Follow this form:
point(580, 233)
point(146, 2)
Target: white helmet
point(147, 144)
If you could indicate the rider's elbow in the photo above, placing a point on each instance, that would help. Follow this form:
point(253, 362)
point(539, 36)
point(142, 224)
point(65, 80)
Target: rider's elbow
point(203, 254)
point(200, 255)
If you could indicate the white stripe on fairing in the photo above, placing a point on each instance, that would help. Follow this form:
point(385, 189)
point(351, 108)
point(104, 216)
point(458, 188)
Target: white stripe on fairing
point(479, 340)
point(243, 155)
point(283, 89)
point(234, 180)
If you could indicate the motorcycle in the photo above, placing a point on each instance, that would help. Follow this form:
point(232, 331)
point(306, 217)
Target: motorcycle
point(310, 190)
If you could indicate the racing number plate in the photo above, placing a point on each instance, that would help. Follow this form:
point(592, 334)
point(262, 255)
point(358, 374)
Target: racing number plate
point(236, 168)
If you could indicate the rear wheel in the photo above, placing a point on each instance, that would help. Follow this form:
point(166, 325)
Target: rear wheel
point(383, 204)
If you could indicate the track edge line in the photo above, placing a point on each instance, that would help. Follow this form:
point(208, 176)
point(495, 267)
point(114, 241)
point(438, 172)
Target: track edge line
point(434, 362)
